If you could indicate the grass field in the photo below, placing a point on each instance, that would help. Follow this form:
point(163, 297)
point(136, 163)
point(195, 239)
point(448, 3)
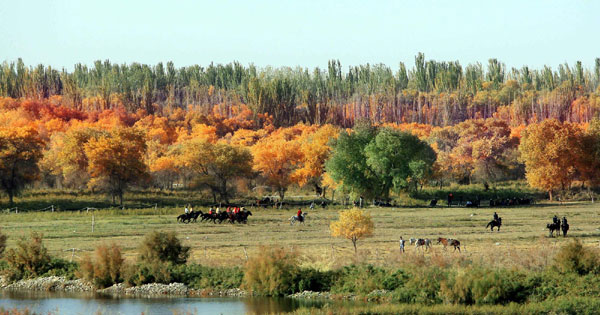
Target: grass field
point(522, 241)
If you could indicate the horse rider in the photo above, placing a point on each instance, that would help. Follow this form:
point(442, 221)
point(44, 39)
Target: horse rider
point(495, 216)
point(187, 211)
point(555, 219)
point(211, 210)
point(192, 210)
point(564, 221)
point(299, 215)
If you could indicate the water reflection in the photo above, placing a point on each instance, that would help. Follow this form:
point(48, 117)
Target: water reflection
point(89, 303)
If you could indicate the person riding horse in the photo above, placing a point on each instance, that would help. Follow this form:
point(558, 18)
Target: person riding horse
point(495, 216)
point(555, 219)
point(299, 215)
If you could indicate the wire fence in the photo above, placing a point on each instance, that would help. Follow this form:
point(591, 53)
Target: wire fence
point(53, 208)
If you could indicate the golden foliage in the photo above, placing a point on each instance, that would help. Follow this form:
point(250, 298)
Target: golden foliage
point(353, 225)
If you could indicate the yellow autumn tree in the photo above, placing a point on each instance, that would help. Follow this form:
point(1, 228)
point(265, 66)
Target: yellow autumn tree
point(276, 158)
point(353, 225)
point(215, 165)
point(550, 151)
point(315, 151)
point(116, 160)
point(20, 151)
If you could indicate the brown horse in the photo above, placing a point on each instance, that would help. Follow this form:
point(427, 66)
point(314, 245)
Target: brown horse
point(449, 241)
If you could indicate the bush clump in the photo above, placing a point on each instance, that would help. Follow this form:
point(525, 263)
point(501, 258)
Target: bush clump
point(485, 286)
point(198, 277)
point(29, 259)
point(574, 257)
point(159, 253)
point(105, 268)
point(363, 279)
point(2, 243)
point(163, 247)
point(272, 273)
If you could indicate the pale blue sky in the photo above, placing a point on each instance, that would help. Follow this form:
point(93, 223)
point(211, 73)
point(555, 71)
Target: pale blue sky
point(299, 33)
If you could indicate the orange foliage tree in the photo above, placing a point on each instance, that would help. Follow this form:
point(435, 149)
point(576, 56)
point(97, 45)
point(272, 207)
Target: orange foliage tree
point(315, 151)
point(276, 158)
point(215, 165)
point(115, 160)
point(20, 151)
point(550, 151)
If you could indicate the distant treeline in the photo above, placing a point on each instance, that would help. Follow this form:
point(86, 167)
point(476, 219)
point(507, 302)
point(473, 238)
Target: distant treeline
point(431, 92)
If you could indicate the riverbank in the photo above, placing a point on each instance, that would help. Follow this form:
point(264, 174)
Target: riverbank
point(62, 284)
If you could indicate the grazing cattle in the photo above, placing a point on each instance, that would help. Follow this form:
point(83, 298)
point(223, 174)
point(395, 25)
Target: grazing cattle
point(449, 241)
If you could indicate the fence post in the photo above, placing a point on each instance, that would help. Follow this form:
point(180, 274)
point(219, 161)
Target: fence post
point(52, 207)
point(93, 223)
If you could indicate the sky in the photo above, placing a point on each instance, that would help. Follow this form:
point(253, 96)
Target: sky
point(299, 33)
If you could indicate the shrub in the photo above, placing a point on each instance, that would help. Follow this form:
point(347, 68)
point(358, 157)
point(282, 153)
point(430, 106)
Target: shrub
point(363, 279)
point(422, 286)
point(272, 273)
point(201, 277)
point(163, 247)
point(574, 257)
point(314, 280)
point(106, 268)
point(484, 286)
point(148, 272)
point(62, 268)
point(29, 259)
point(2, 243)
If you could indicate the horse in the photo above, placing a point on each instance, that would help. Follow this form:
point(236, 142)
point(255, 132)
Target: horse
point(205, 216)
point(295, 218)
point(422, 243)
point(495, 223)
point(183, 218)
point(565, 228)
point(449, 241)
point(242, 217)
point(193, 216)
point(553, 227)
point(221, 216)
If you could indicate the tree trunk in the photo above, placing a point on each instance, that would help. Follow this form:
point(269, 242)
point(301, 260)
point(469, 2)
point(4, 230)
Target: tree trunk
point(550, 194)
point(281, 196)
point(121, 198)
point(354, 243)
point(10, 196)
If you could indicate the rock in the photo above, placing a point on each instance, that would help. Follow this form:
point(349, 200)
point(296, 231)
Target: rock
point(59, 284)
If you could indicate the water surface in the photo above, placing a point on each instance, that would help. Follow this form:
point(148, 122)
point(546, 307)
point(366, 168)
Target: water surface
point(88, 303)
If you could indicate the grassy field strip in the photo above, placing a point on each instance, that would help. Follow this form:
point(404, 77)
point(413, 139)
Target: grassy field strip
point(523, 230)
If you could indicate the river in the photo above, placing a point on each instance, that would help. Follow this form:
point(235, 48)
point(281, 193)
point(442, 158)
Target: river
point(78, 303)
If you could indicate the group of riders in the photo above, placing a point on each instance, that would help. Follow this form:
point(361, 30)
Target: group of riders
point(233, 214)
point(556, 224)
